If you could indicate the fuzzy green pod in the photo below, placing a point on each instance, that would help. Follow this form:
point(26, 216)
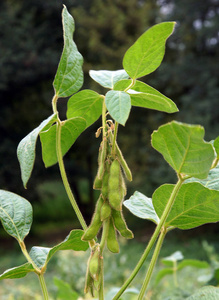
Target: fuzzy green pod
point(89, 283)
point(112, 243)
point(101, 159)
point(95, 224)
point(95, 264)
point(105, 211)
point(97, 183)
point(120, 224)
point(123, 163)
point(114, 194)
point(123, 185)
point(104, 190)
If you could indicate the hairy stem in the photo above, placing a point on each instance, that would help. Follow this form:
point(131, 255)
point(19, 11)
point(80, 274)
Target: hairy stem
point(104, 118)
point(153, 238)
point(29, 259)
point(114, 138)
point(152, 264)
point(101, 290)
point(43, 287)
point(64, 176)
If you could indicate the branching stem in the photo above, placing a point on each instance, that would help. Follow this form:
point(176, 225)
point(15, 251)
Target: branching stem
point(153, 238)
point(43, 286)
point(64, 176)
point(152, 264)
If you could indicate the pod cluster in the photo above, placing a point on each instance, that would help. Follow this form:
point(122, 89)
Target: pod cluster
point(108, 211)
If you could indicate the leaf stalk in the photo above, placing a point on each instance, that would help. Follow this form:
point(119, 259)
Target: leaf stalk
point(153, 238)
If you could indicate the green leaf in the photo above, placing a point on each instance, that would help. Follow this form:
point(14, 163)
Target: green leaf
point(142, 207)
point(143, 95)
point(69, 76)
point(42, 255)
point(86, 104)
point(70, 131)
point(65, 291)
point(183, 147)
point(15, 214)
point(162, 273)
point(194, 205)
point(216, 146)
point(205, 293)
point(146, 54)
point(108, 78)
point(27, 146)
point(211, 182)
point(119, 105)
point(17, 272)
point(193, 263)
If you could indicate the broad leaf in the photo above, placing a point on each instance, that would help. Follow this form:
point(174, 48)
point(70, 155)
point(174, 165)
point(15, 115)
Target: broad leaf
point(162, 273)
point(65, 291)
point(70, 131)
point(216, 146)
point(147, 53)
point(15, 214)
point(119, 105)
point(211, 182)
point(195, 263)
point(26, 149)
point(205, 293)
point(142, 207)
point(183, 147)
point(108, 78)
point(194, 205)
point(69, 76)
point(42, 255)
point(17, 272)
point(86, 104)
point(143, 95)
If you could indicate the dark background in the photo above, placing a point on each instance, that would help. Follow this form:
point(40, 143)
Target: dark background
point(30, 47)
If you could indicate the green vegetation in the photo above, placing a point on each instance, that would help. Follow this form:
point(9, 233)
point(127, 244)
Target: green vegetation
point(186, 204)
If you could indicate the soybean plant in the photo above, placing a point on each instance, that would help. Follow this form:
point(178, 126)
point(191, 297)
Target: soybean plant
point(191, 202)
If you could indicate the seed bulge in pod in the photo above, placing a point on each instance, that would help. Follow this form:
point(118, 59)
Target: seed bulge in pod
point(112, 243)
point(114, 185)
point(95, 224)
point(105, 211)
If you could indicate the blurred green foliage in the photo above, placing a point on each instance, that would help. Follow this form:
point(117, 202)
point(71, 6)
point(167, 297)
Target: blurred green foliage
point(30, 46)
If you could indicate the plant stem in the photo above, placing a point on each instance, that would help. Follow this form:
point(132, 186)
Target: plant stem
point(152, 264)
point(43, 287)
point(29, 259)
point(101, 290)
point(131, 85)
point(54, 104)
point(153, 238)
point(104, 118)
point(64, 176)
point(114, 138)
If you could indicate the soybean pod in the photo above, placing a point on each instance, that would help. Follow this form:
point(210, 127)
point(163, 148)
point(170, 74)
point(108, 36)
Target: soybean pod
point(101, 159)
point(114, 193)
point(94, 264)
point(105, 211)
point(95, 224)
point(123, 163)
point(120, 224)
point(112, 243)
